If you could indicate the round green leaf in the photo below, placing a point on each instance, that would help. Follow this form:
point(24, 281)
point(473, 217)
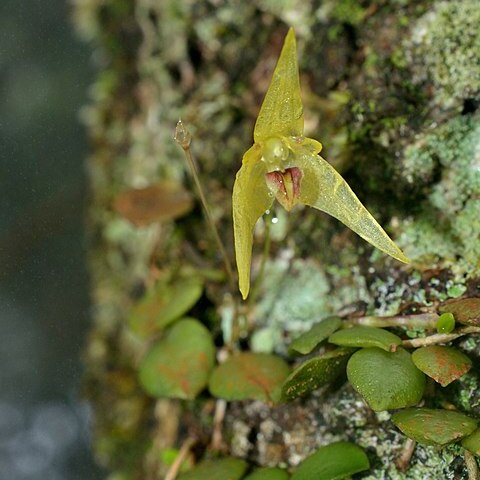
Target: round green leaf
point(333, 462)
point(366, 337)
point(386, 380)
point(472, 442)
point(306, 342)
point(223, 469)
point(443, 364)
point(163, 304)
point(255, 376)
point(446, 323)
point(315, 373)
point(178, 366)
point(465, 310)
point(273, 473)
point(434, 427)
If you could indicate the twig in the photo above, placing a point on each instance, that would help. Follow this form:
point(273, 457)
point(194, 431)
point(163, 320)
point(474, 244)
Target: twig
point(472, 466)
point(439, 338)
point(403, 460)
point(421, 320)
point(183, 138)
point(219, 415)
point(182, 455)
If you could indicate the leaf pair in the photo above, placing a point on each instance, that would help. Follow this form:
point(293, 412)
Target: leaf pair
point(386, 375)
point(331, 462)
point(285, 165)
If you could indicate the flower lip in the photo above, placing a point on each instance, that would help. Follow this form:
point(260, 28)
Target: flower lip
point(285, 185)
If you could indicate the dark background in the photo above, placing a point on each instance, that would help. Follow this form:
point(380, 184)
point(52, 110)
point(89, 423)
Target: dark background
point(44, 301)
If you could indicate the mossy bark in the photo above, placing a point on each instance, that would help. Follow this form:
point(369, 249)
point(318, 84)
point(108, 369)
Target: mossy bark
point(390, 88)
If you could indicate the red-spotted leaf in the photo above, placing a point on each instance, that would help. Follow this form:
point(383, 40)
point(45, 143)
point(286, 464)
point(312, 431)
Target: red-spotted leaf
point(333, 462)
point(386, 380)
point(272, 473)
point(223, 469)
point(443, 364)
point(315, 373)
point(434, 426)
point(156, 203)
point(366, 337)
point(178, 366)
point(163, 304)
point(305, 343)
point(249, 376)
point(472, 442)
point(465, 310)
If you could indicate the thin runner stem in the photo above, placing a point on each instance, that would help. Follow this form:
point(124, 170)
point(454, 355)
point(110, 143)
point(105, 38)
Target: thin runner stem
point(421, 320)
point(403, 460)
point(439, 338)
point(472, 466)
point(182, 455)
point(217, 434)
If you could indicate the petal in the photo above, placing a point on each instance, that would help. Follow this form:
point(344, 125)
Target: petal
point(281, 113)
point(324, 188)
point(251, 198)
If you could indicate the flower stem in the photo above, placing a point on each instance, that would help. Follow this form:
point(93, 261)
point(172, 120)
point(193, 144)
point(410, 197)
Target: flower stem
point(183, 138)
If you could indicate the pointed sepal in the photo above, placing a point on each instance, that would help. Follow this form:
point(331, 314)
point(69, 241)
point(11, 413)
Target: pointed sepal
point(281, 113)
point(325, 189)
point(251, 198)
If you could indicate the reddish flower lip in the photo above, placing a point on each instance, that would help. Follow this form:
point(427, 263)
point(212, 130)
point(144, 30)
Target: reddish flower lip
point(285, 185)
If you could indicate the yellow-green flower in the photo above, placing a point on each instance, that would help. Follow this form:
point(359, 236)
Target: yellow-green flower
point(285, 165)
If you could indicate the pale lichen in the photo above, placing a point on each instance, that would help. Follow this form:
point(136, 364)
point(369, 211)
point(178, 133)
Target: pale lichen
point(444, 48)
point(443, 230)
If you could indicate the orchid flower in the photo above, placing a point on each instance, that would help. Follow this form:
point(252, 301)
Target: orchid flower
point(285, 165)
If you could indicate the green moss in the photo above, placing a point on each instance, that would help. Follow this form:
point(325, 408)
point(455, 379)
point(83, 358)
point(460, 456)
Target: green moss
point(426, 242)
point(465, 226)
point(448, 221)
point(343, 411)
point(465, 392)
point(348, 11)
point(418, 164)
point(445, 47)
